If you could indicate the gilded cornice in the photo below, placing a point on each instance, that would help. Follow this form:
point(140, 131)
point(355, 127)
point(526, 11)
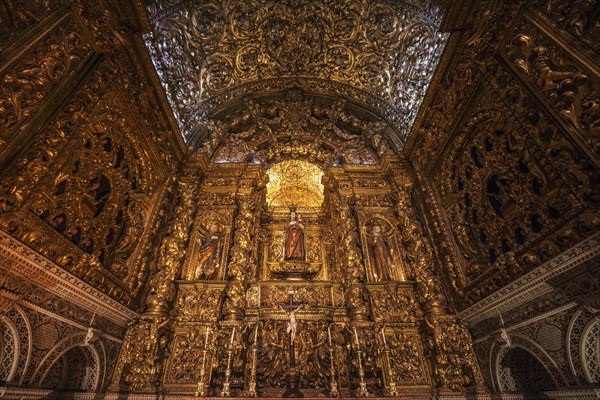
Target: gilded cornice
point(534, 284)
point(19, 260)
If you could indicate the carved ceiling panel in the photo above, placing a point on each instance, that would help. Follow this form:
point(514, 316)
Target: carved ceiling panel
point(377, 52)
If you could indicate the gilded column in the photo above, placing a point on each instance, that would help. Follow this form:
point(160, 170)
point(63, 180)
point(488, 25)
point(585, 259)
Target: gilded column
point(141, 358)
point(447, 338)
point(241, 262)
point(356, 294)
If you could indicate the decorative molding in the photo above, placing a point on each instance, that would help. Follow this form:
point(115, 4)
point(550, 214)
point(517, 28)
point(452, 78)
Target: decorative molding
point(533, 284)
point(22, 261)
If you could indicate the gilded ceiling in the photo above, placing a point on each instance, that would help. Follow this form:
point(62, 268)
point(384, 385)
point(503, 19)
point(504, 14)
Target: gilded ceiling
point(380, 54)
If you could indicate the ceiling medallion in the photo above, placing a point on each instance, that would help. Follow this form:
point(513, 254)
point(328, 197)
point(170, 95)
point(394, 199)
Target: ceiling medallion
point(213, 50)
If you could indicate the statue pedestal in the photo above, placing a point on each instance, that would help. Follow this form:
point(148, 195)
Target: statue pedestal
point(294, 270)
point(292, 384)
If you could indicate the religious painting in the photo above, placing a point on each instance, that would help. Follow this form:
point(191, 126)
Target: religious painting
point(95, 196)
point(209, 254)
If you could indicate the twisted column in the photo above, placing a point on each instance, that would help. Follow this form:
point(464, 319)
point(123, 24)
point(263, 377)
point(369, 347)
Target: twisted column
point(449, 342)
point(356, 295)
point(140, 361)
point(241, 255)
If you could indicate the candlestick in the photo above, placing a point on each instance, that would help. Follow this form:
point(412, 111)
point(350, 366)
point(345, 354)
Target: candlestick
point(206, 338)
point(383, 336)
point(252, 384)
point(232, 337)
point(356, 336)
point(333, 391)
point(363, 392)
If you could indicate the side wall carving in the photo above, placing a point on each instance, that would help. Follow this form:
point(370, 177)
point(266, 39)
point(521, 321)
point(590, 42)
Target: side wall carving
point(506, 148)
point(509, 151)
point(84, 154)
point(86, 146)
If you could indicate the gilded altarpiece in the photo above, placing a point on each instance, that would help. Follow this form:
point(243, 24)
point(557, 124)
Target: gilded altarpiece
point(358, 332)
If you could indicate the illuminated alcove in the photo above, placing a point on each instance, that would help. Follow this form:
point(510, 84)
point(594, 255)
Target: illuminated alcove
point(296, 182)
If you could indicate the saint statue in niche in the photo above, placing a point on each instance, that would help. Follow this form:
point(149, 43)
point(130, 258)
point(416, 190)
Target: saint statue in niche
point(381, 256)
point(294, 238)
point(209, 255)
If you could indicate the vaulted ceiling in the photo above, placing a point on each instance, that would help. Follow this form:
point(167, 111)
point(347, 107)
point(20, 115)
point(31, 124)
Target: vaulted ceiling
point(376, 55)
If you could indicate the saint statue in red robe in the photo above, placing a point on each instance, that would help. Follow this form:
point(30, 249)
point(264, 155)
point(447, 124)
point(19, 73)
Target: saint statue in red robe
point(381, 256)
point(294, 238)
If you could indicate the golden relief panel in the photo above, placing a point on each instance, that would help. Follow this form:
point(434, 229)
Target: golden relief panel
point(198, 302)
point(406, 356)
point(395, 304)
point(187, 354)
point(275, 294)
point(26, 84)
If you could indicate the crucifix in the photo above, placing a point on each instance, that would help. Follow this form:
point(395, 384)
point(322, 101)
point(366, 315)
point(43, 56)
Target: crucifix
point(293, 379)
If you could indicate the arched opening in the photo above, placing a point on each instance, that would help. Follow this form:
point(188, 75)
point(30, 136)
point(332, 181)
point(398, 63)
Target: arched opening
point(519, 371)
point(591, 352)
point(8, 351)
point(75, 370)
point(296, 182)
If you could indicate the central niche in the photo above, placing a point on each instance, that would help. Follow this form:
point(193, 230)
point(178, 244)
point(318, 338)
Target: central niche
point(295, 182)
point(294, 196)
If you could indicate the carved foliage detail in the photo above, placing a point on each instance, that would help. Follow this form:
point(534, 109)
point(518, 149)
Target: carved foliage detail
point(97, 200)
point(574, 93)
point(26, 84)
point(502, 194)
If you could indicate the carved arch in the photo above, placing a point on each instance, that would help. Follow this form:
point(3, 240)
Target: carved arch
point(590, 351)
point(528, 345)
point(9, 349)
point(59, 350)
point(17, 320)
point(517, 371)
point(101, 349)
point(575, 332)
